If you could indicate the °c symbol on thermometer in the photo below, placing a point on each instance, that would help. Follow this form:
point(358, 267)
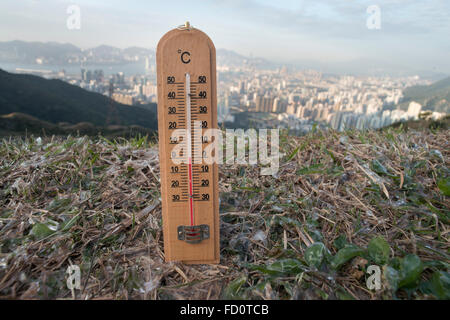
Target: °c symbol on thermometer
point(185, 57)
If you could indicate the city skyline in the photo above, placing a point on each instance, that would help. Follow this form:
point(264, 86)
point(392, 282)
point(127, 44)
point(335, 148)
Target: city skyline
point(327, 36)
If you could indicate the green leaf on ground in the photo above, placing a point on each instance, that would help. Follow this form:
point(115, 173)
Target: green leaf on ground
point(292, 155)
point(315, 254)
point(378, 167)
point(379, 250)
point(440, 285)
point(345, 254)
point(281, 267)
point(233, 290)
point(340, 242)
point(40, 231)
point(444, 186)
point(392, 277)
point(314, 168)
point(410, 269)
point(59, 205)
point(403, 273)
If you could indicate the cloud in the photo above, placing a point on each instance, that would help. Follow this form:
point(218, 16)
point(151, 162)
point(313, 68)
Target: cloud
point(327, 30)
point(344, 19)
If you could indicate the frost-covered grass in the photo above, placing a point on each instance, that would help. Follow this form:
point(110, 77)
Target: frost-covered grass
point(339, 203)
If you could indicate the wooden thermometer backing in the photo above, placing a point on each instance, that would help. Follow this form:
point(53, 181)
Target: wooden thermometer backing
point(186, 75)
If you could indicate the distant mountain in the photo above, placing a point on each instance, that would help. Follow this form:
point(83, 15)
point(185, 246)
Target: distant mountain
point(52, 53)
point(233, 59)
point(112, 55)
point(56, 101)
point(367, 67)
point(39, 52)
point(138, 51)
point(435, 97)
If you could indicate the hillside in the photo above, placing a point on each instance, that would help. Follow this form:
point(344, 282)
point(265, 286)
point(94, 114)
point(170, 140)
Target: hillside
point(20, 124)
point(435, 97)
point(56, 101)
point(339, 203)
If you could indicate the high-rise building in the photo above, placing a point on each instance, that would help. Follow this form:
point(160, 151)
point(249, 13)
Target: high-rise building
point(123, 98)
point(147, 64)
point(291, 109)
point(414, 109)
point(242, 87)
point(98, 75)
point(259, 102)
point(264, 103)
point(88, 76)
point(83, 75)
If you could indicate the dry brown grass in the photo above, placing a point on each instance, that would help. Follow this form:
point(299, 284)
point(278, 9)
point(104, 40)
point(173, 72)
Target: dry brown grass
point(102, 200)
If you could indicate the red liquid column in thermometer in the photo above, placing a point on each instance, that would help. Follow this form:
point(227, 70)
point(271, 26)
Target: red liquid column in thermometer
point(189, 147)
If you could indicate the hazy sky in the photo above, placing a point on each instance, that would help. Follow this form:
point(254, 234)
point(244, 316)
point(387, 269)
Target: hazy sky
point(414, 33)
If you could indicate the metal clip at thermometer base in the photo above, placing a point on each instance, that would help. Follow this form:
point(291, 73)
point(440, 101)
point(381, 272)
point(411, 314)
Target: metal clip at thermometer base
point(193, 234)
point(187, 108)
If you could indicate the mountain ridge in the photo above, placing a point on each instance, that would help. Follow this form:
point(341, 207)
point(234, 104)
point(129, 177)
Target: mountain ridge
point(57, 101)
point(54, 53)
point(435, 96)
point(18, 51)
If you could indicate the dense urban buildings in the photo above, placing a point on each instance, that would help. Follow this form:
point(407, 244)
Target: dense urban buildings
point(280, 97)
point(301, 97)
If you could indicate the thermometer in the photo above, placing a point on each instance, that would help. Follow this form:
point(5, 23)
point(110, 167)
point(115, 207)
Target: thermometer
point(187, 108)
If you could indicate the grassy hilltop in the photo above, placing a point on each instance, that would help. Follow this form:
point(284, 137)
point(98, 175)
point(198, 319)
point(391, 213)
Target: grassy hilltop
point(339, 203)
